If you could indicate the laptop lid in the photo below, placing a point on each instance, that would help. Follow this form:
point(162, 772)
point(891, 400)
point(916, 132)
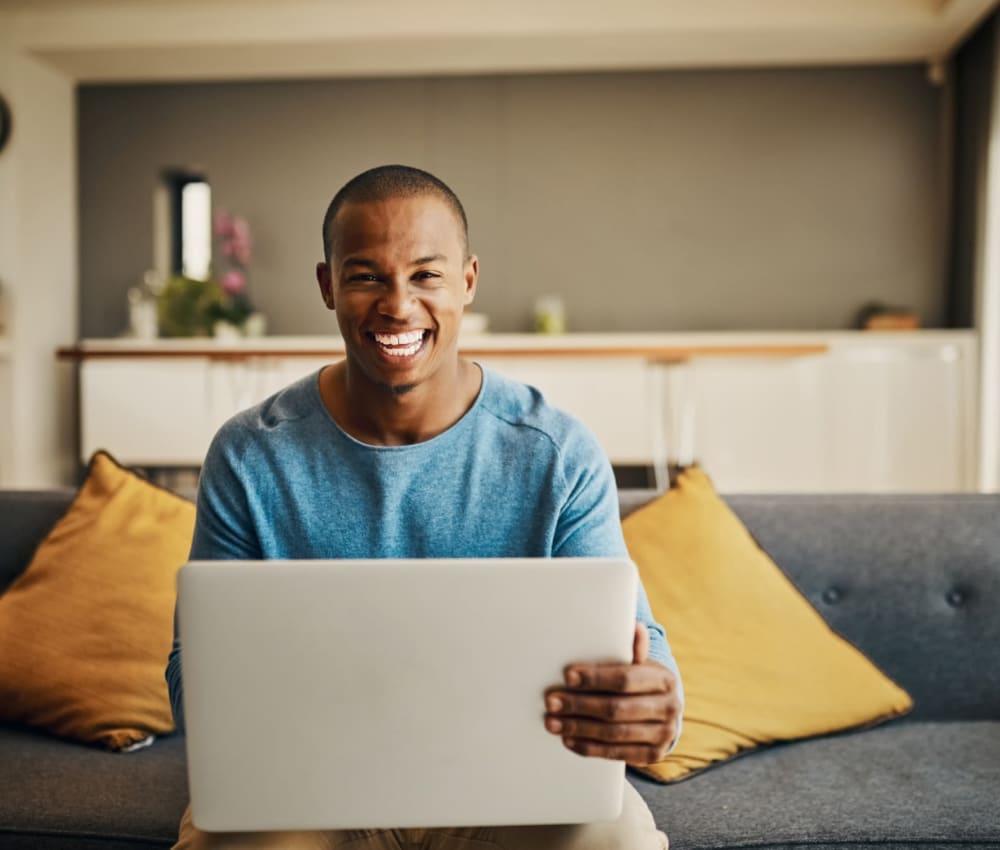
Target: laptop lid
point(394, 693)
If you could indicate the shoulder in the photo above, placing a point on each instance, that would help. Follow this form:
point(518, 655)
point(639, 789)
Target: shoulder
point(269, 420)
point(523, 409)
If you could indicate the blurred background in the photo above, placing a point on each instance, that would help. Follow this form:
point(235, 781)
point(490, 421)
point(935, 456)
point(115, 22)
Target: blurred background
point(795, 172)
point(671, 200)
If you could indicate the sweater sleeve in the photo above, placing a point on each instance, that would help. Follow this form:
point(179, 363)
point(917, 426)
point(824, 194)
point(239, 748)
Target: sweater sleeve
point(590, 525)
point(223, 531)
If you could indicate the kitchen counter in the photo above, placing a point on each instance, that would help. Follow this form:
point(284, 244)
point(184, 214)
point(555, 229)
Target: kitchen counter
point(654, 346)
point(660, 347)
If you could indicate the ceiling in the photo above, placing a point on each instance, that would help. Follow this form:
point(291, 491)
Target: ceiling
point(174, 40)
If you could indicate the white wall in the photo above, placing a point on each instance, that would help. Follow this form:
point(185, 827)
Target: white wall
point(8, 217)
point(38, 264)
point(169, 40)
point(987, 298)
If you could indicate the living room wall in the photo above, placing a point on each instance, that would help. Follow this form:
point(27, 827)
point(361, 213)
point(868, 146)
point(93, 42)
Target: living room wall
point(697, 200)
point(974, 88)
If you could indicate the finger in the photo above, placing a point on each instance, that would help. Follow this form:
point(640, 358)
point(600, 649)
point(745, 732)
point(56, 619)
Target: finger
point(616, 709)
point(646, 678)
point(631, 753)
point(640, 645)
point(653, 734)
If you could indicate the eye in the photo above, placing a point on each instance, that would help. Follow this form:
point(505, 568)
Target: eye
point(362, 278)
point(426, 276)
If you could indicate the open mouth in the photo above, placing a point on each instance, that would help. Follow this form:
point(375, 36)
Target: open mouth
point(400, 344)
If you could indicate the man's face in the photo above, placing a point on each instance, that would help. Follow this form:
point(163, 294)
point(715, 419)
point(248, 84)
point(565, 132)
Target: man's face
point(399, 280)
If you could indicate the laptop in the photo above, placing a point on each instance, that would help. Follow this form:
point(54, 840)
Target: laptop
point(362, 694)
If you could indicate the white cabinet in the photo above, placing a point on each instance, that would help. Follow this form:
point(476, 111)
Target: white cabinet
point(752, 423)
point(152, 411)
point(146, 411)
point(871, 413)
point(901, 419)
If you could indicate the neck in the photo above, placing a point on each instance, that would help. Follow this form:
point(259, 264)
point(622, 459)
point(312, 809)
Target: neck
point(385, 416)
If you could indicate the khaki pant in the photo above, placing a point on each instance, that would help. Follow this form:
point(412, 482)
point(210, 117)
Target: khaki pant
point(634, 830)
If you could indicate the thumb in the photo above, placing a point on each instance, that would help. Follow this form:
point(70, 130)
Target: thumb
point(640, 646)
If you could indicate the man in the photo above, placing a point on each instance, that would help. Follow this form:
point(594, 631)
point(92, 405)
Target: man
point(404, 449)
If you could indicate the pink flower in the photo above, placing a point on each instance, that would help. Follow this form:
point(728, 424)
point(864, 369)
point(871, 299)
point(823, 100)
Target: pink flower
point(240, 241)
point(240, 252)
point(241, 228)
point(233, 281)
point(223, 224)
point(232, 235)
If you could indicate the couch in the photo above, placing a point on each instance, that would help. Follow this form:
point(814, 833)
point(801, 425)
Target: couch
point(913, 581)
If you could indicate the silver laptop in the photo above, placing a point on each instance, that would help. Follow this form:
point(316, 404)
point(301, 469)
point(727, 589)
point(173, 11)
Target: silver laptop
point(395, 693)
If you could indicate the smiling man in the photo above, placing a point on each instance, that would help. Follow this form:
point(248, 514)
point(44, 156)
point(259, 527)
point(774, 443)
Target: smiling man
point(405, 449)
point(399, 275)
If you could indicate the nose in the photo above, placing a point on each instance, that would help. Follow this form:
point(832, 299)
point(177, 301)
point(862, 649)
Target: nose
point(396, 300)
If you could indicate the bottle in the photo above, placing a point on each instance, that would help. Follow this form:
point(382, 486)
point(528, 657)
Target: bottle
point(550, 315)
point(143, 318)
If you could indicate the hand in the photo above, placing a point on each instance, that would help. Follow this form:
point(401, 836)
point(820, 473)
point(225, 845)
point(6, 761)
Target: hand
point(627, 712)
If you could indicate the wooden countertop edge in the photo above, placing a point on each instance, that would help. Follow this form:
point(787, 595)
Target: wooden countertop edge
point(657, 353)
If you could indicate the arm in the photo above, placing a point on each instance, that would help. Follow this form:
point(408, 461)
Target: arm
point(620, 711)
point(223, 531)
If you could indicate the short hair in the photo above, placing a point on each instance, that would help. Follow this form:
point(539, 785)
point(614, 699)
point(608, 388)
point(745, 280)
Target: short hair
point(391, 181)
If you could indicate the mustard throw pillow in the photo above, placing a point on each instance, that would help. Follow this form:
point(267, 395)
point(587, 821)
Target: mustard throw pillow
point(759, 663)
point(85, 631)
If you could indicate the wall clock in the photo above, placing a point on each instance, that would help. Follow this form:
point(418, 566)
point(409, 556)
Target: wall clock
point(5, 121)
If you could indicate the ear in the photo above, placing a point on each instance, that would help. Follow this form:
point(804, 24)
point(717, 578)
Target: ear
point(471, 278)
point(325, 280)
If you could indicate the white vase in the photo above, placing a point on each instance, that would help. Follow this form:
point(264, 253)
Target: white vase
point(225, 332)
point(255, 325)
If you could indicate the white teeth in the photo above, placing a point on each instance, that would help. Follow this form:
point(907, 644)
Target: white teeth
point(400, 339)
point(404, 352)
point(410, 342)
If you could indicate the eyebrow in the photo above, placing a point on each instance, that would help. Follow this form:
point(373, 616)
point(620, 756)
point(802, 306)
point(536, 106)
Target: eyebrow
point(371, 264)
point(358, 261)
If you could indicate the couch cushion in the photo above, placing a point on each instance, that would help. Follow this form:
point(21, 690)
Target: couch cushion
point(69, 795)
point(911, 580)
point(910, 784)
point(758, 662)
point(86, 629)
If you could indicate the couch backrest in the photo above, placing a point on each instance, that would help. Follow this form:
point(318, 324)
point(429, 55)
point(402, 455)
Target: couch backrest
point(911, 580)
point(26, 516)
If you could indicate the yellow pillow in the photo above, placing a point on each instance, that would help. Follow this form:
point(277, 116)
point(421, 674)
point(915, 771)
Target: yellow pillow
point(759, 663)
point(85, 631)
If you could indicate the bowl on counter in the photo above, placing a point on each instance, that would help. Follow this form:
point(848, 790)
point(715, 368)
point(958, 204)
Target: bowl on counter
point(474, 323)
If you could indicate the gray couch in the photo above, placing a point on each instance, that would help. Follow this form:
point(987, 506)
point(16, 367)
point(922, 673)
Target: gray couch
point(914, 581)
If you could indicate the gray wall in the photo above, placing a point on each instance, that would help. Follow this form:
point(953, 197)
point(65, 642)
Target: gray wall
point(771, 199)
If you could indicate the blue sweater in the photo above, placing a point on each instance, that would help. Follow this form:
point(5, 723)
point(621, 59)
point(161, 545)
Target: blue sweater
point(512, 478)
